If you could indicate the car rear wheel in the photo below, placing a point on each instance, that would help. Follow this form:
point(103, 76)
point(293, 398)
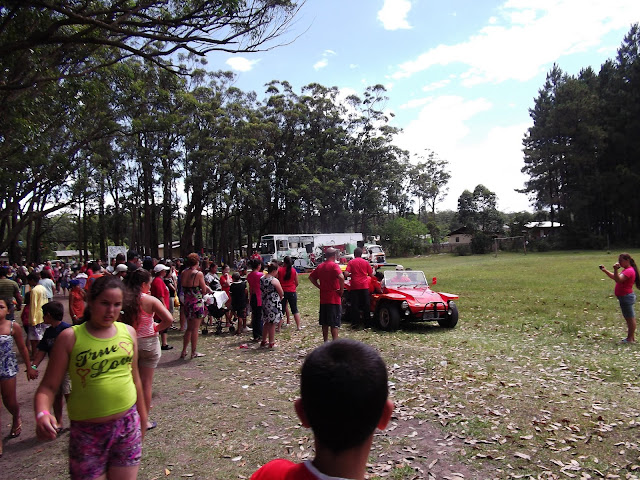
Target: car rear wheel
point(389, 317)
point(451, 320)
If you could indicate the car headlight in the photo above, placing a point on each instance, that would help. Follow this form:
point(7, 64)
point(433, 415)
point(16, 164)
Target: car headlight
point(404, 305)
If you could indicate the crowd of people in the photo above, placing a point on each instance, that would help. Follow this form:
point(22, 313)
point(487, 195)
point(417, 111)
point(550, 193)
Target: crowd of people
point(102, 356)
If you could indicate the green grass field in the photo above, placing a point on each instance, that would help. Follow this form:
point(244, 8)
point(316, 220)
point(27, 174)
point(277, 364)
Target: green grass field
point(532, 383)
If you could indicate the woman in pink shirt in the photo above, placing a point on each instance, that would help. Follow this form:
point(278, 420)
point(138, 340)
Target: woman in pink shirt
point(624, 290)
point(139, 312)
point(255, 297)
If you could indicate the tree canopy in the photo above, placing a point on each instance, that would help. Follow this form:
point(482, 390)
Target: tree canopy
point(582, 154)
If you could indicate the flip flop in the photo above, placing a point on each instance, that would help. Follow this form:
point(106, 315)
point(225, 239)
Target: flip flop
point(183, 355)
point(197, 355)
point(153, 425)
point(16, 431)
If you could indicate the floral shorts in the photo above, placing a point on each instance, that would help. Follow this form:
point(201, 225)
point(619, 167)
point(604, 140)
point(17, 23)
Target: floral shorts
point(94, 447)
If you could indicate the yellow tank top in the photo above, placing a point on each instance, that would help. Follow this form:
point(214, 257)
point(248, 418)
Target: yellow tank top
point(100, 372)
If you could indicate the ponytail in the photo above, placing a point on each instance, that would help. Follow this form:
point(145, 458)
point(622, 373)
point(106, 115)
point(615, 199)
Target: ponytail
point(635, 268)
point(287, 262)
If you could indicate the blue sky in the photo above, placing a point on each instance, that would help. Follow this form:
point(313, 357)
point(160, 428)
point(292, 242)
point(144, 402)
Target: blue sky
point(461, 75)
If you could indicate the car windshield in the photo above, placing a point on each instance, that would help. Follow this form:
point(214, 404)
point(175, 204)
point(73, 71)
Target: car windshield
point(404, 277)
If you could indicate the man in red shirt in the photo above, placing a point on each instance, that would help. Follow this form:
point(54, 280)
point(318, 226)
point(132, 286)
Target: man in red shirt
point(329, 279)
point(359, 270)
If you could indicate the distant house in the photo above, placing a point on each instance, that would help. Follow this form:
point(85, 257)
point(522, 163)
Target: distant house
point(68, 255)
point(461, 236)
point(174, 253)
point(542, 229)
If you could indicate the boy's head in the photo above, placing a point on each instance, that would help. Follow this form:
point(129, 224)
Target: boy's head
point(343, 388)
point(32, 279)
point(54, 311)
point(235, 277)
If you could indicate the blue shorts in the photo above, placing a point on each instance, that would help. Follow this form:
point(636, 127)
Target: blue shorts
point(626, 305)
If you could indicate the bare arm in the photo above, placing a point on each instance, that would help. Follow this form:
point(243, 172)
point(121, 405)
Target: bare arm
point(140, 404)
point(203, 285)
point(159, 311)
point(46, 425)
point(278, 287)
point(18, 297)
point(32, 373)
point(341, 280)
point(615, 275)
point(314, 281)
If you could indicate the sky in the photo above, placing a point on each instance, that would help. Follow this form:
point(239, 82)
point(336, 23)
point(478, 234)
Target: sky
point(461, 75)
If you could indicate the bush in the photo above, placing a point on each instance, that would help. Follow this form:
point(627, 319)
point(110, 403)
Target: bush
point(463, 250)
point(481, 243)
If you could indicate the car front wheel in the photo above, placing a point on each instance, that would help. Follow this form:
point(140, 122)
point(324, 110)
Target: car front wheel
point(451, 320)
point(389, 317)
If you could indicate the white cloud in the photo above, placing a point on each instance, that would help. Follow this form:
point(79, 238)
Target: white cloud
point(416, 102)
point(495, 161)
point(320, 64)
point(442, 122)
point(393, 14)
point(527, 37)
point(436, 85)
point(241, 64)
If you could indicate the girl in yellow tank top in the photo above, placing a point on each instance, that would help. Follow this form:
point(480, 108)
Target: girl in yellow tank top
point(101, 356)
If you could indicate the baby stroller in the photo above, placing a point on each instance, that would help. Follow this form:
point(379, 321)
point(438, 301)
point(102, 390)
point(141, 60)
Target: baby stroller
point(216, 306)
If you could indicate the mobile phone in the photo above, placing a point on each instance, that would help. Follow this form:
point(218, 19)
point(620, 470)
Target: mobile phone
point(601, 267)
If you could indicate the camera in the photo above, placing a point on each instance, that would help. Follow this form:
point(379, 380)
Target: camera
point(601, 267)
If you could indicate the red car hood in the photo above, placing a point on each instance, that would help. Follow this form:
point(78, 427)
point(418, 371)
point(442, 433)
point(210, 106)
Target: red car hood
point(418, 294)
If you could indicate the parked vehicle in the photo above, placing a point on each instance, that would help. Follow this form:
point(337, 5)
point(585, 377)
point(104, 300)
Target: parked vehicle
point(374, 253)
point(306, 248)
point(406, 296)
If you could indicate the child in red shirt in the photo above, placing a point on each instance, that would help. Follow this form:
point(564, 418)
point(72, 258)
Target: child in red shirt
point(356, 374)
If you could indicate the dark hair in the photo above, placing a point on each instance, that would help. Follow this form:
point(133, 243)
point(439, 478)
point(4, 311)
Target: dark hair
point(33, 277)
point(353, 374)
point(147, 263)
point(4, 271)
point(106, 282)
point(55, 309)
point(632, 262)
point(379, 275)
point(272, 267)
point(94, 266)
point(45, 274)
point(235, 277)
point(255, 264)
point(7, 301)
point(132, 254)
point(120, 258)
point(357, 252)
point(134, 283)
point(288, 264)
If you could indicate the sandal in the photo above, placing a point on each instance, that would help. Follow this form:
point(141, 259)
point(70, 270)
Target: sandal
point(17, 430)
point(197, 355)
point(183, 355)
point(263, 344)
point(273, 345)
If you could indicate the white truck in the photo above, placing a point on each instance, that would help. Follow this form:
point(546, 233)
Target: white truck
point(306, 249)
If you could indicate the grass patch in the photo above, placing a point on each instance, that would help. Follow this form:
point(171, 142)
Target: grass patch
point(532, 382)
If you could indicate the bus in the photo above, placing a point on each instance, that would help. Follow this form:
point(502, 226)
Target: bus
point(306, 249)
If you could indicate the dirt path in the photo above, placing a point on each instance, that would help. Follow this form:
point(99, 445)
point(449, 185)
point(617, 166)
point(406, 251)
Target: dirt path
point(175, 450)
